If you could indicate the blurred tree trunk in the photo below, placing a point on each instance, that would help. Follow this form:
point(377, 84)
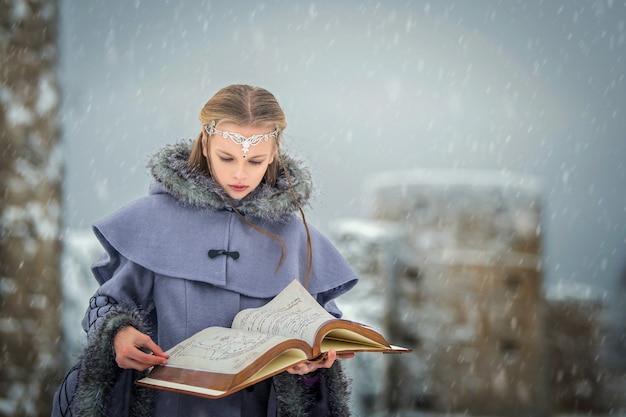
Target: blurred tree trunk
point(31, 171)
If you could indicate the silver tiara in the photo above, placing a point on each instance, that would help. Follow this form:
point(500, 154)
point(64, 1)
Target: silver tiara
point(245, 142)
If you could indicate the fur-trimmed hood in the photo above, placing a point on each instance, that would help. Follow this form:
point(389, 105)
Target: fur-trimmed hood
point(191, 187)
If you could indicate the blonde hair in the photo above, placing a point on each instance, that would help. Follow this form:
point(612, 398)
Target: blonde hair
point(243, 105)
point(246, 105)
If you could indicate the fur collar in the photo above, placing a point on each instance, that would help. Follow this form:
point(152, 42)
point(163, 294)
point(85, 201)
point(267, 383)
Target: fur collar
point(193, 188)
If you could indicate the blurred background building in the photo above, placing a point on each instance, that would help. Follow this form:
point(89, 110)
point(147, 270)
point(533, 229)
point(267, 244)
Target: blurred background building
point(453, 271)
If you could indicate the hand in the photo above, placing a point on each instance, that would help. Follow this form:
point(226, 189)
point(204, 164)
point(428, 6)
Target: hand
point(325, 362)
point(130, 347)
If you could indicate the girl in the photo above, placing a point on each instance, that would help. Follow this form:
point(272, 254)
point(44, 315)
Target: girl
point(218, 232)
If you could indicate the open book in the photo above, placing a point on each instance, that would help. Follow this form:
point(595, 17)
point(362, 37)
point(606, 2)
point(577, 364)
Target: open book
point(261, 343)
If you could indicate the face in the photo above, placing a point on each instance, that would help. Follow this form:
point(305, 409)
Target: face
point(238, 176)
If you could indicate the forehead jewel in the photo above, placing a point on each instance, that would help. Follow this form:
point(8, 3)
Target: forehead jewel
point(239, 139)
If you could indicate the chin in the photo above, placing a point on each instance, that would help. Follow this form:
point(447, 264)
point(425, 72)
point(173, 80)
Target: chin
point(239, 196)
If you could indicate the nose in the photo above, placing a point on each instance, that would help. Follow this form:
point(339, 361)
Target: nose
point(240, 172)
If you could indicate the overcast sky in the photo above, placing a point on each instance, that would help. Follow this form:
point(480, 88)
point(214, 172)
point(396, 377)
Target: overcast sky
point(535, 87)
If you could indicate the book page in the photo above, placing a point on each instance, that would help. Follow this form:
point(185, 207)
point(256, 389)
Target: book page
point(221, 350)
point(293, 313)
point(375, 339)
point(174, 386)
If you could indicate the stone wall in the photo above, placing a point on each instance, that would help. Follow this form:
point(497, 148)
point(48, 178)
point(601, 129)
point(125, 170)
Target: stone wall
point(463, 287)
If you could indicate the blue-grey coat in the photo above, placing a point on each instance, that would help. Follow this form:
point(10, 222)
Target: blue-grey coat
point(156, 274)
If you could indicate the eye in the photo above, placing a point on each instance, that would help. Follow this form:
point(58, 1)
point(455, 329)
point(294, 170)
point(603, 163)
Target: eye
point(256, 162)
point(225, 159)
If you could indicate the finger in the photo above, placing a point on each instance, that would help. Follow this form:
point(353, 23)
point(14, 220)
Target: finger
point(329, 360)
point(140, 365)
point(345, 355)
point(308, 366)
point(149, 359)
point(154, 348)
point(133, 364)
point(296, 370)
point(129, 356)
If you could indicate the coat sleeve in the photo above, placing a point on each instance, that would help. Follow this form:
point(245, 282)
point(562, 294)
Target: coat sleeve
point(123, 283)
point(96, 386)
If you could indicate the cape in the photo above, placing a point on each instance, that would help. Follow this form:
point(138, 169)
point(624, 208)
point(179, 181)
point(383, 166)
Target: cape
point(187, 214)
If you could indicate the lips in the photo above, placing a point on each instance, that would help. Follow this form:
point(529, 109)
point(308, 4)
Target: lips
point(238, 188)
